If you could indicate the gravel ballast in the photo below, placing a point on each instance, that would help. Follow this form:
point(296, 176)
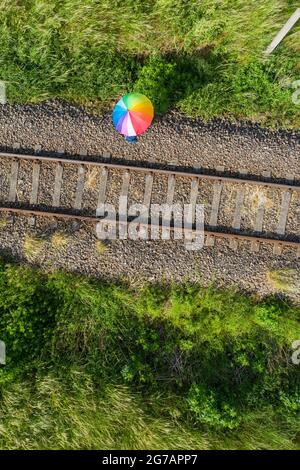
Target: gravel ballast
point(172, 138)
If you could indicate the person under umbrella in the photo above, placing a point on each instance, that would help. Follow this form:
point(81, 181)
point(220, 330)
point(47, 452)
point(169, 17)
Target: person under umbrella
point(132, 115)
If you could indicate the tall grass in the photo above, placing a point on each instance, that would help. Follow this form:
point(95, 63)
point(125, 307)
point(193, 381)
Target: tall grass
point(98, 365)
point(53, 414)
point(205, 58)
point(50, 414)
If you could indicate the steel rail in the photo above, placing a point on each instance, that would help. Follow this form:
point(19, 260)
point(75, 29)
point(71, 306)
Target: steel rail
point(207, 232)
point(161, 171)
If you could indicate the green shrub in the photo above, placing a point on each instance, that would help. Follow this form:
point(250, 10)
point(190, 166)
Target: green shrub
point(27, 313)
point(217, 359)
point(157, 80)
point(207, 411)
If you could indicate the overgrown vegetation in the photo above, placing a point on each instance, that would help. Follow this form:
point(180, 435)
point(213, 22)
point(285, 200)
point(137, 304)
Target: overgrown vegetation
point(100, 247)
point(33, 247)
point(203, 57)
point(59, 240)
point(284, 280)
point(98, 365)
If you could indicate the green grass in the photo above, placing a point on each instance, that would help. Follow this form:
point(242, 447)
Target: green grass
point(203, 58)
point(92, 364)
point(33, 247)
point(285, 280)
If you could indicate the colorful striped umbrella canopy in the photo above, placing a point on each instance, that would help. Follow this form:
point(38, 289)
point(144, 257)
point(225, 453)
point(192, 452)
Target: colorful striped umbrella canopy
point(133, 114)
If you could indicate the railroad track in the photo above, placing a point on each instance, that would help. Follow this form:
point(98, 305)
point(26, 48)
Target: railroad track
point(257, 210)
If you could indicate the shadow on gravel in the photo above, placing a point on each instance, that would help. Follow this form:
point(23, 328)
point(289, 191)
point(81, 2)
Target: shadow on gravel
point(7, 256)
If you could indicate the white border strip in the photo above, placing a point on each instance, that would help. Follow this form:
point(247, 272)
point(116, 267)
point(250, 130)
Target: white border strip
point(283, 32)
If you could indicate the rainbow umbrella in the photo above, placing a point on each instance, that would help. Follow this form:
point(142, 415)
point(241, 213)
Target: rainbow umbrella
point(133, 114)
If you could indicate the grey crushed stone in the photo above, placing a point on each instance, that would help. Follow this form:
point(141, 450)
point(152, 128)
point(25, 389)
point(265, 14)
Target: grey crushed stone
point(171, 138)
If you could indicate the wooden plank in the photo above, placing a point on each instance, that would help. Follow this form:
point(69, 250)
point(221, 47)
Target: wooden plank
point(238, 209)
point(148, 190)
point(259, 221)
point(258, 227)
point(102, 189)
point(79, 187)
point(190, 216)
point(125, 184)
point(217, 189)
point(57, 185)
point(34, 189)
point(13, 181)
point(35, 183)
point(283, 32)
point(194, 193)
point(123, 206)
point(170, 190)
point(142, 229)
point(167, 214)
point(284, 211)
point(193, 201)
